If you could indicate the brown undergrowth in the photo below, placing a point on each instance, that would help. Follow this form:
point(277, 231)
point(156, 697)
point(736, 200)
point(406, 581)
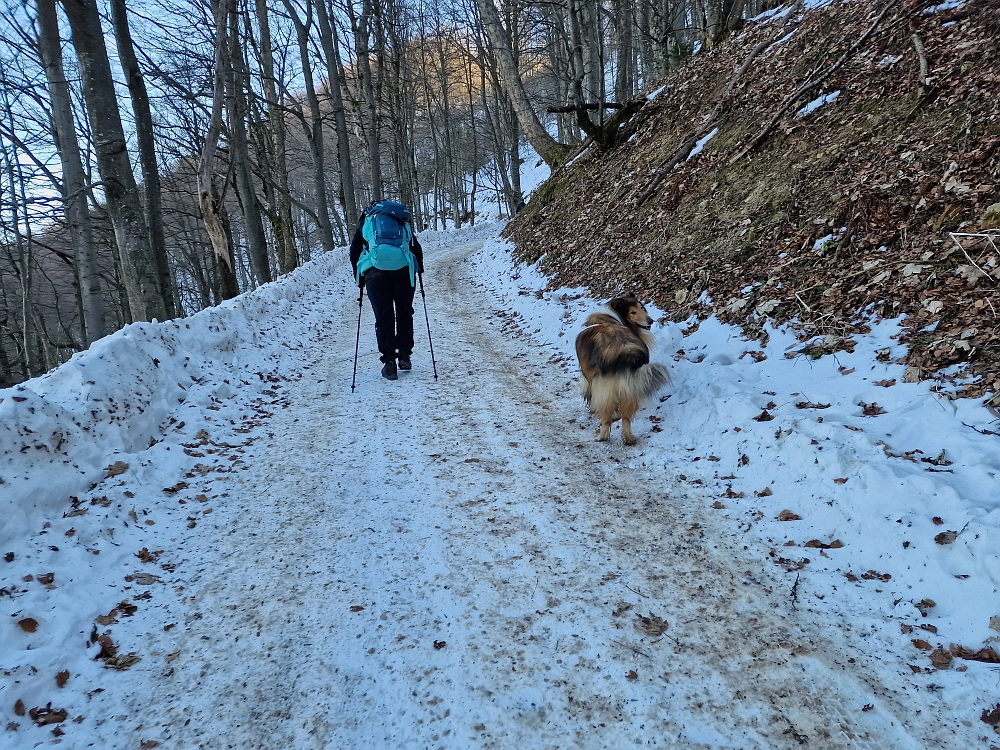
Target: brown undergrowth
point(883, 202)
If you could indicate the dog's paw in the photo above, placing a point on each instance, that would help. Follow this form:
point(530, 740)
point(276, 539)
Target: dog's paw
point(629, 440)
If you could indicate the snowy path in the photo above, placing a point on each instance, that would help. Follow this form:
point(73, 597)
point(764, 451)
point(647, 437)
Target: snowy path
point(463, 566)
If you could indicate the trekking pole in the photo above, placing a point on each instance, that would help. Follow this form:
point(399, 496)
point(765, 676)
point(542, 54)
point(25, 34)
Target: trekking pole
point(424, 296)
point(357, 342)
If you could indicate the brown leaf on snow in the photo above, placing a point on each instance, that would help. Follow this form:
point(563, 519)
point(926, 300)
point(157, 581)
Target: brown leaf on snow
point(811, 405)
point(925, 604)
point(632, 675)
point(874, 575)
point(937, 521)
point(48, 715)
point(731, 494)
point(904, 628)
point(440, 644)
point(766, 492)
point(718, 505)
point(885, 383)
point(946, 537)
point(19, 709)
point(928, 627)
point(763, 417)
point(872, 409)
point(146, 556)
point(840, 480)
point(787, 515)
point(46, 578)
point(651, 625)
point(28, 624)
point(991, 716)
point(816, 543)
point(941, 659)
point(922, 644)
point(118, 467)
point(356, 608)
point(171, 657)
point(176, 488)
point(62, 678)
point(143, 579)
point(108, 619)
point(988, 654)
point(122, 662)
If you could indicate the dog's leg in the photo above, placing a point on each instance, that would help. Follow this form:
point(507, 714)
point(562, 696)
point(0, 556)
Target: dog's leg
point(627, 437)
point(605, 428)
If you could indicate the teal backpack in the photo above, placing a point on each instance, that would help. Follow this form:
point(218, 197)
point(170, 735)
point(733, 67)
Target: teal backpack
point(387, 234)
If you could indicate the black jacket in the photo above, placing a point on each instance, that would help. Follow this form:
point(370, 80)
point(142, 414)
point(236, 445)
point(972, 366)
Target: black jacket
point(358, 247)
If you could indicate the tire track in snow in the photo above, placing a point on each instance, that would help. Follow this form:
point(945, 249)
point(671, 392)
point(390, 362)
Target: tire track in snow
point(474, 512)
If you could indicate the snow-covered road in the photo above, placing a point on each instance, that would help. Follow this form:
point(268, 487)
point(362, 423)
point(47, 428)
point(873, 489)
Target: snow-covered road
point(452, 564)
point(459, 564)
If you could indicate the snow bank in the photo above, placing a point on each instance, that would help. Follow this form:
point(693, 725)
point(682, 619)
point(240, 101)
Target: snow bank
point(900, 481)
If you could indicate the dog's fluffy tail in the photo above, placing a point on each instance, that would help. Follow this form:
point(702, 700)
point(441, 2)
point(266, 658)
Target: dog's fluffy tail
point(647, 380)
point(634, 386)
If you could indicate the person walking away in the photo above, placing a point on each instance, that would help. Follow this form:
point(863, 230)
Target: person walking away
point(386, 257)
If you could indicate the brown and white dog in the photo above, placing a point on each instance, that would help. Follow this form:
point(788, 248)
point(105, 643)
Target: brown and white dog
point(613, 349)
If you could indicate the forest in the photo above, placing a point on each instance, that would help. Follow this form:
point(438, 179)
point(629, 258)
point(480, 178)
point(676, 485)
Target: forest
point(158, 158)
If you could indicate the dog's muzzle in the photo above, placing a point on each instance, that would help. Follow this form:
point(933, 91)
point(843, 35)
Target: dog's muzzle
point(647, 327)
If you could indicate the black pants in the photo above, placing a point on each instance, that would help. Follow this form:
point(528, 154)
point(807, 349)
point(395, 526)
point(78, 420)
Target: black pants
point(392, 301)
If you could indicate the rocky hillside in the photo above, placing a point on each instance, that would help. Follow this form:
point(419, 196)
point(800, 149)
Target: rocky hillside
point(850, 172)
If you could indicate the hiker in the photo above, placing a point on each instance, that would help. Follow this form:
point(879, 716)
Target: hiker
point(386, 257)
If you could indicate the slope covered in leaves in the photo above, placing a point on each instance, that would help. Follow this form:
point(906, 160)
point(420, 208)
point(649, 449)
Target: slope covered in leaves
point(873, 194)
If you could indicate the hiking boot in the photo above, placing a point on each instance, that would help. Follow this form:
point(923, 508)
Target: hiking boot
point(404, 363)
point(389, 370)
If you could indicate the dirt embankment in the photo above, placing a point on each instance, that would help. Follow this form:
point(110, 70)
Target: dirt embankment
point(878, 202)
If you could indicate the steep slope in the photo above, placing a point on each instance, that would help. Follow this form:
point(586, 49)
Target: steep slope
point(842, 212)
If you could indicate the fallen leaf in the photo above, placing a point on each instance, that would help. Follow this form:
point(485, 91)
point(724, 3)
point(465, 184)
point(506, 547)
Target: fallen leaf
point(995, 623)
point(718, 505)
point(356, 608)
point(143, 579)
point(941, 659)
point(868, 707)
point(171, 657)
point(62, 678)
point(19, 709)
point(652, 625)
point(176, 488)
point(928, 627)
point(480, 727)
point(937, 521)
point(987, 655)
point(991, 716)
point(28, 624)
point(731, 494)
point(46, 578)
point(817, 544)
point(9, 557)
point(766, 492)
point(885, 383)
point(787, 515)
point(811, 405)
point(763, 417)
point(946, 537)
point(48, 715)
point(118, 467)
point(872, 409)
point(632, 675)
point(921, 644)
point(904, 628)
point(440, 644)
point(841, 480)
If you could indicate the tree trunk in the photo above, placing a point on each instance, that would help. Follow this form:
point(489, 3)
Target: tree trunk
point(336, 83)
point(314, 131)
point(362, 44)
point(239, 152)
point(23, 268)
point(281, 222)
point(120, 189)
point(552, 152)
point(153, 201)
point(207, 198)
point(73, 178)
